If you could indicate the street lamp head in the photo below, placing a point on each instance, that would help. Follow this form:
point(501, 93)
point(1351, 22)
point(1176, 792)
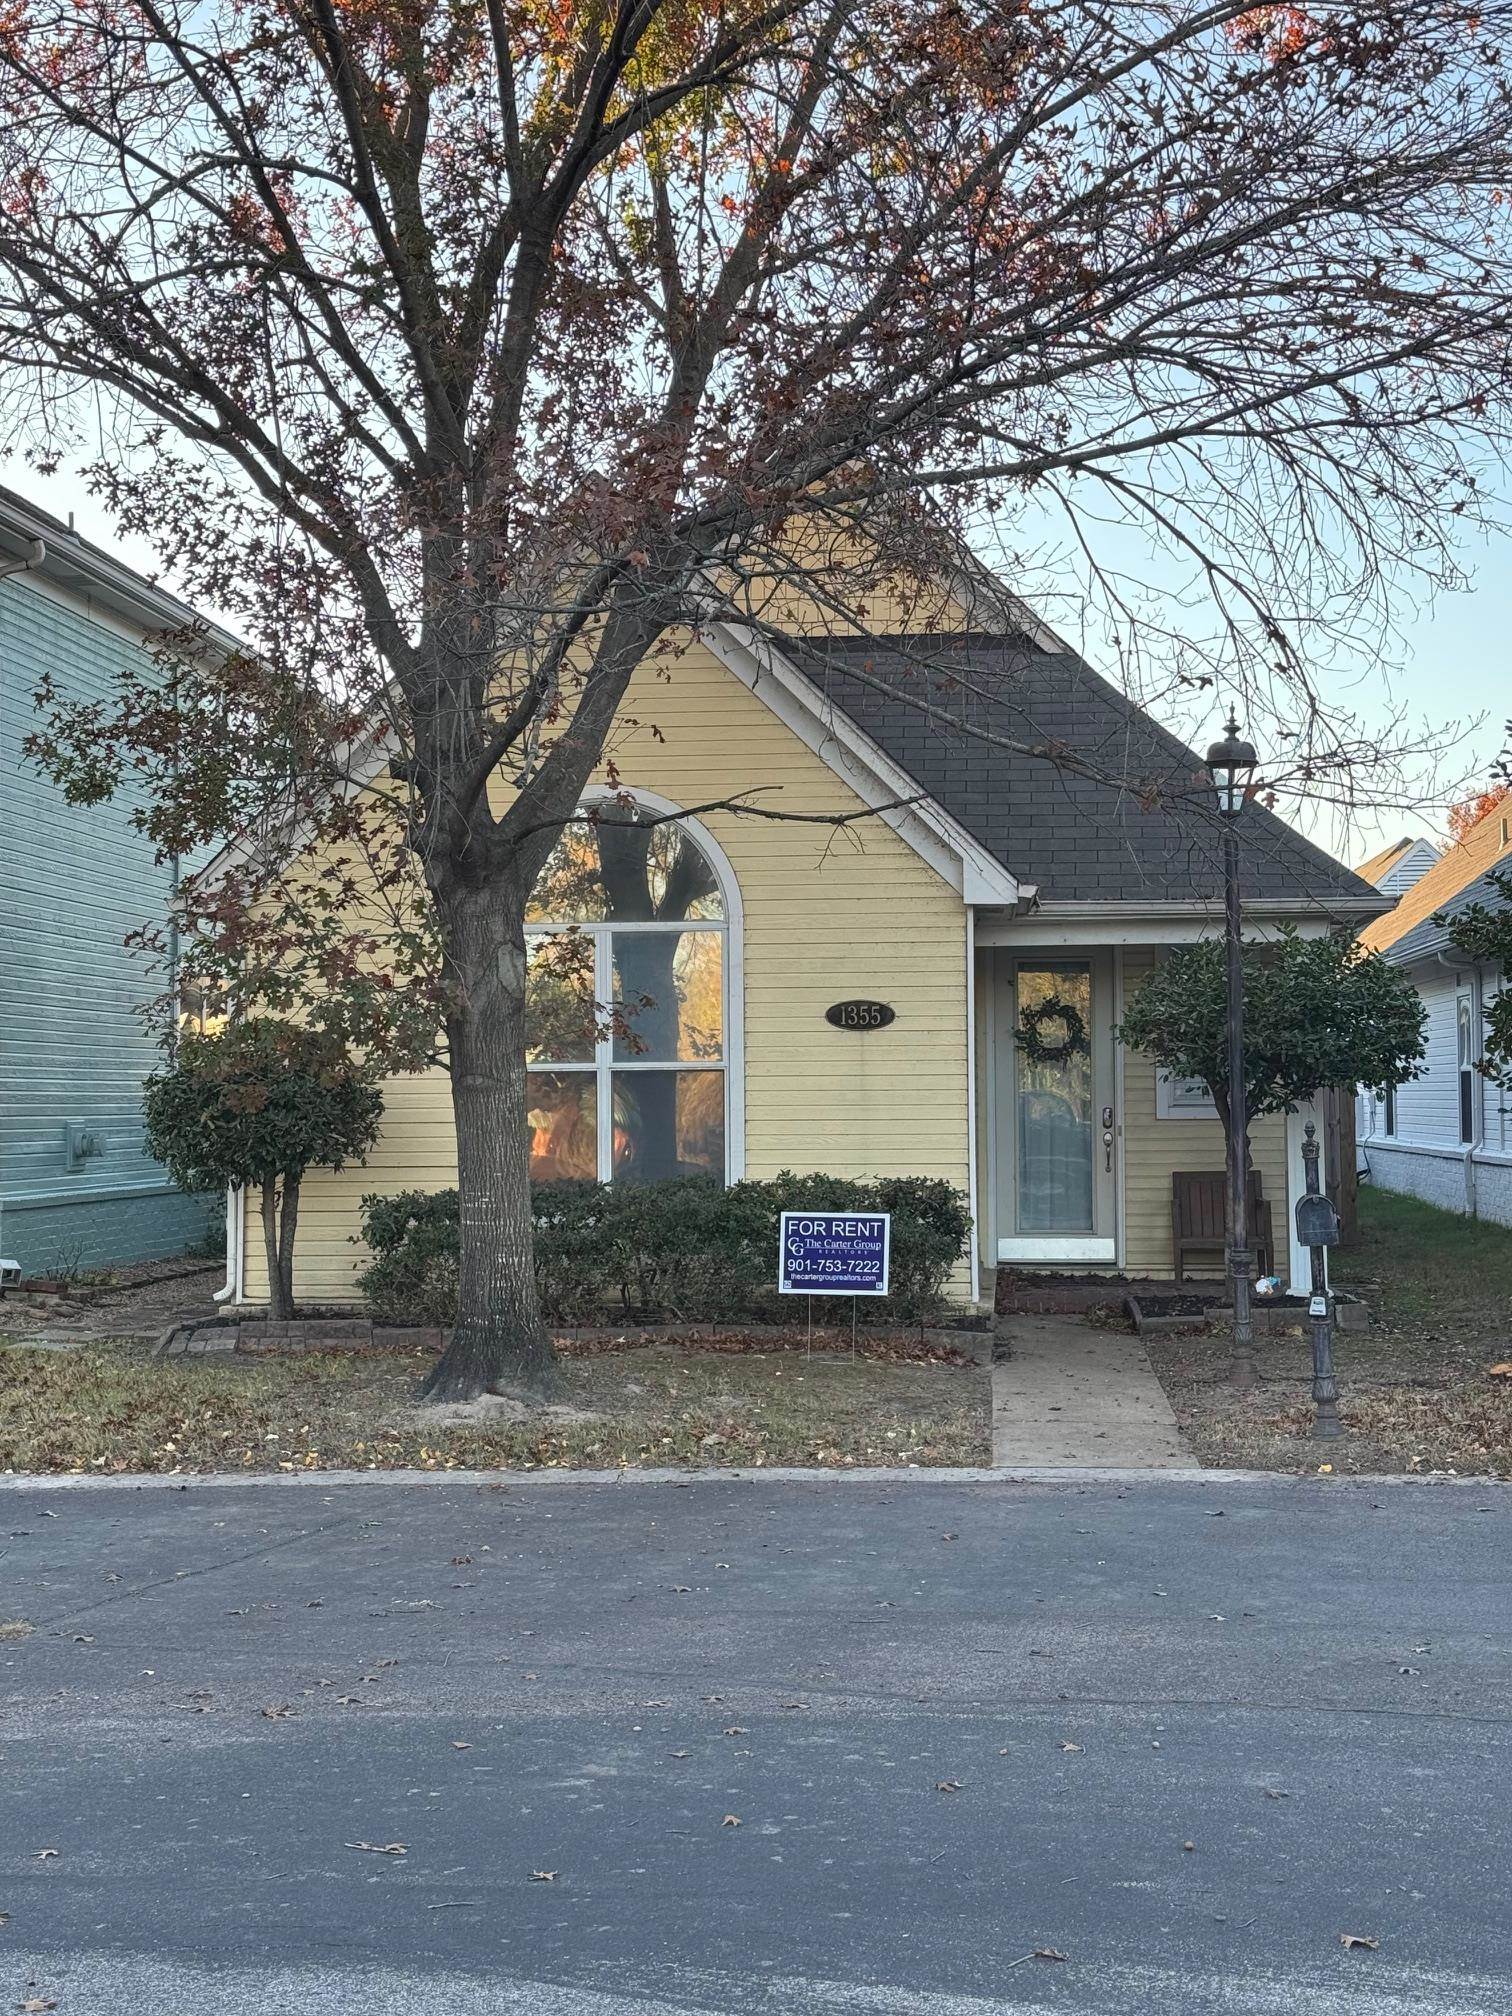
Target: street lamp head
point(1231, 765)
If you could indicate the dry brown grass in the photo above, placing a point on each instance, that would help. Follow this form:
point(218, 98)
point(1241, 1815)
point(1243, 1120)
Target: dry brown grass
point(111, 1408)
point(1417, 1393)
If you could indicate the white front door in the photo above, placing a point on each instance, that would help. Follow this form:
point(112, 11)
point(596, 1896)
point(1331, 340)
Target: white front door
point(1057, 1129)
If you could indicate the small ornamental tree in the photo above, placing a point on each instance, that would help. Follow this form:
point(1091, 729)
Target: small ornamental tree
point(1318, 1012)
point(1483, 933)
point(256, 1106)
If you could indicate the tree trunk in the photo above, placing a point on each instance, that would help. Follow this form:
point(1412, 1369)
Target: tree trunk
point(280, 1303)
point(500, 1343)
point(287, 1225)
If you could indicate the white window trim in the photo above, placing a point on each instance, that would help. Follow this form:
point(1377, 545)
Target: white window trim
point(731, 928)
point(1186, 1106)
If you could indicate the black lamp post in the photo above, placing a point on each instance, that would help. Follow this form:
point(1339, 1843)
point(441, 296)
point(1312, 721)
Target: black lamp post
point(1231, 766)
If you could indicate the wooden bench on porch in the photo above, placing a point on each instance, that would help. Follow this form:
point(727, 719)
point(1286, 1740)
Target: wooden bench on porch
point(1199, 1217)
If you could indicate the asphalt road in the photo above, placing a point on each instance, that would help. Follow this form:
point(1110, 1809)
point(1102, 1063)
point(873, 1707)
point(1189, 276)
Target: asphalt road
point(1183, 1734)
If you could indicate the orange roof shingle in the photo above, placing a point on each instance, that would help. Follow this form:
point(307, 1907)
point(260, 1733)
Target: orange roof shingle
point(1487, 842)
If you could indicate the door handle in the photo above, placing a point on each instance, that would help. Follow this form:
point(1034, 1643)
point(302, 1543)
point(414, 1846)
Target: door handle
point(1108, 1150)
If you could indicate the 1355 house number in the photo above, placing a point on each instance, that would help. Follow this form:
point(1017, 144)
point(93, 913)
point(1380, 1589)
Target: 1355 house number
point(860, 1015)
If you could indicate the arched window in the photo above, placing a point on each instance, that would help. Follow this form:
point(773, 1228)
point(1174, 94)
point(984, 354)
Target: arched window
point(628, 1023)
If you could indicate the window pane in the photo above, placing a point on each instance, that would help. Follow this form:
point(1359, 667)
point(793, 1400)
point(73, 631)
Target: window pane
point(615, 866)
point(560, 1111)
point(569, 889)
point(1055, 1101)
point(669, 995)
point(668, 1123)
point(654, 874)
point(560, 1025)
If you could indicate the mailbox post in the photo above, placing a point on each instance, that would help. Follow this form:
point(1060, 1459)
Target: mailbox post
point(1317, 1230)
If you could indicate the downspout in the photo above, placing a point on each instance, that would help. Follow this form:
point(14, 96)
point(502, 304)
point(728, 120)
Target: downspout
point(234, 1234)
point(36, 554)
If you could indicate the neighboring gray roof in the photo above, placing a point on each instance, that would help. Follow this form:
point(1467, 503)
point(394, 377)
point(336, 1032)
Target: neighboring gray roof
point(1157, 840)
point(72, 562)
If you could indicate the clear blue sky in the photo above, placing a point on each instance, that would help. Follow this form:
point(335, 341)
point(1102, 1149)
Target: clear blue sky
point(1455, 660)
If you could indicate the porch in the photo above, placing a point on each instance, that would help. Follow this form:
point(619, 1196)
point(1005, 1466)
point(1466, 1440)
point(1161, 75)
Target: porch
point(1078, 1140)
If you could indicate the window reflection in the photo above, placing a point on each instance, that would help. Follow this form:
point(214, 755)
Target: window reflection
point(618, 869)
point(560, 1017)
point(668, 1123)
point(619, 990)
point(668, 995)
point(562, 1113)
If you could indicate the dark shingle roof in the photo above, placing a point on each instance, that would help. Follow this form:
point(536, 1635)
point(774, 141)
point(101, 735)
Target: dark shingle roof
point(1077, 838)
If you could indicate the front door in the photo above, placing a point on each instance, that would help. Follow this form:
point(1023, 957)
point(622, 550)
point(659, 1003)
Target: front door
point(1057, 1127)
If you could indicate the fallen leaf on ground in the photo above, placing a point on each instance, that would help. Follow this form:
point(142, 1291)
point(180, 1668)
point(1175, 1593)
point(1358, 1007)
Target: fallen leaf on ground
point(730, 1820)
point(735, 1729)
point(1069, 1747)
point(378, 1848)
point(948, 1785)
point(1502, 1371)
point(1272, 1793)
point(461, 1746)
point(35, 2003)
point(279, 1714)
point(44, 1854)
point(543, 1875)
point(1348, 1939)
point(1188, 1847)
point(1047, 1953)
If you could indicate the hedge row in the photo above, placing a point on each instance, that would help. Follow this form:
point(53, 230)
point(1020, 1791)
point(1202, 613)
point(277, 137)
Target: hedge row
point(692, 1250)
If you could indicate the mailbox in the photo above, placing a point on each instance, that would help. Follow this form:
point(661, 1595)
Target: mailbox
point(1317, 1220)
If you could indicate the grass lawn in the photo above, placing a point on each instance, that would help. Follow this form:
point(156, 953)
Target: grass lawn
point(111, 1407)
point(1415, 1390)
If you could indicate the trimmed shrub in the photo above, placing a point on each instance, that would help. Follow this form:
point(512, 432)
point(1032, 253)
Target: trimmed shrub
point(690, 1249)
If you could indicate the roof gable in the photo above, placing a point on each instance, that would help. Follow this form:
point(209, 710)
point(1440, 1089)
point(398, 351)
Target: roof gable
point(1075, 837)
point(1456, 879)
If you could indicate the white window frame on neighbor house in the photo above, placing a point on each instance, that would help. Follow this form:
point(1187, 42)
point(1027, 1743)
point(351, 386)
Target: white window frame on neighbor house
point(1182, 1098)
point(604, 1065)
point(1467, 1079)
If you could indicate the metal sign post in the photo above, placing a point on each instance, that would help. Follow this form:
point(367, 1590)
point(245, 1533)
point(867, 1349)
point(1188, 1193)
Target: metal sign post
point(1317, 1230)
point(834, 1253)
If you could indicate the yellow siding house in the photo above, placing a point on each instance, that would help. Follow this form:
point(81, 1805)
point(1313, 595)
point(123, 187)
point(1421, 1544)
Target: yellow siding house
point(988, 894)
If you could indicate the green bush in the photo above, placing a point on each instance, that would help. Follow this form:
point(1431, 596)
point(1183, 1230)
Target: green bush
point(690, 1250)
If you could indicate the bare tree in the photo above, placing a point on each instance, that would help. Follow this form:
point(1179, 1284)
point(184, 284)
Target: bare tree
point(467, 353)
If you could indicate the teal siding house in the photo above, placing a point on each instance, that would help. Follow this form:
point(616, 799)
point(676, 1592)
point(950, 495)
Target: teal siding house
point(77, 1188)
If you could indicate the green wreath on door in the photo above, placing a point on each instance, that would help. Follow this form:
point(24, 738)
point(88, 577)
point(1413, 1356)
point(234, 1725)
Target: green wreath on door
point(1031, 1038)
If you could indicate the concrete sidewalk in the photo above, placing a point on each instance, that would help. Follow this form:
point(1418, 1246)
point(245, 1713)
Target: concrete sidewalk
point(1072, 1395)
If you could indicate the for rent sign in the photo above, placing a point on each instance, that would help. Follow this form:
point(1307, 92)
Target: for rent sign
point(834, 1253)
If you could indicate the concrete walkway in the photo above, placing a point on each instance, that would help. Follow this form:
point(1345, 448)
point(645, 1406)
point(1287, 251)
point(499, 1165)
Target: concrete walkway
point(1072, 1395)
